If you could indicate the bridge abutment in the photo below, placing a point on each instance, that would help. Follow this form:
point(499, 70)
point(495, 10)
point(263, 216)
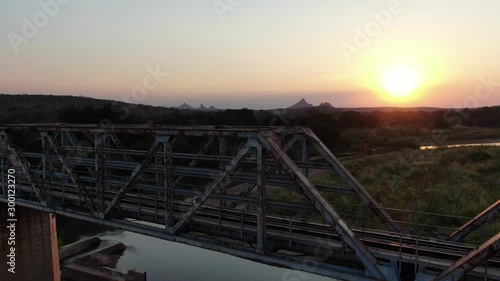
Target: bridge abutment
point(28, 246)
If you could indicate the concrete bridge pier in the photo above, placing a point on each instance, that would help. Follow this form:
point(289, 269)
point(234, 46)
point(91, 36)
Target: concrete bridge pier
point(28, 245)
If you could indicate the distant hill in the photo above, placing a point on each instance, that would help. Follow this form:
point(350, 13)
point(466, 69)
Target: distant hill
point(301, 104)
point(54, 101)
point(45, 108)
point(185, 106)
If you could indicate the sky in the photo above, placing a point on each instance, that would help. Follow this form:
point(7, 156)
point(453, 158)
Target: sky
point(255, 53)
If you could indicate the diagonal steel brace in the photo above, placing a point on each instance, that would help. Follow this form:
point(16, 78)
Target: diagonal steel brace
point(72, 173)
point(352, 182)
point(267, 139)
point(134, 176)
point(220, 177)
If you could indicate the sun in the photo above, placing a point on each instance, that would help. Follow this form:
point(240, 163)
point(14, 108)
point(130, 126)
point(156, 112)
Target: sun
point(400, 81)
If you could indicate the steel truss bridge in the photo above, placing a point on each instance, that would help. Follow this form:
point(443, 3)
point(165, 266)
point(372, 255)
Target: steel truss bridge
point(221, 188)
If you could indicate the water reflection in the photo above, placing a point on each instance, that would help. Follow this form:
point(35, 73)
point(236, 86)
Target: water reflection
point(460, 145)
point(168, 261)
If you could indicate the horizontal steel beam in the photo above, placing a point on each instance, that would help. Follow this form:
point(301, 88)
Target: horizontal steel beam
point(171, 130)
point(187, 156)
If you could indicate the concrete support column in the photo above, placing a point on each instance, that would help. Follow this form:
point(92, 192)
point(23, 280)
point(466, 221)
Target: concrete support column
point(36, 250)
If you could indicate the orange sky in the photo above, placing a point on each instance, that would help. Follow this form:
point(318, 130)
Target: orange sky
point(260, 54)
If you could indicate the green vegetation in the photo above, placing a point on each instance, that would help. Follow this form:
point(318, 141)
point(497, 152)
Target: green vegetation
point(457, 181)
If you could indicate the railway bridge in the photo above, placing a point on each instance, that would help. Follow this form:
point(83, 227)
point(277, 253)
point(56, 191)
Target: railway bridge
point(245, 191)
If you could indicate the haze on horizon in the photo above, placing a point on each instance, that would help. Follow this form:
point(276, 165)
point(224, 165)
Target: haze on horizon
point(256, 53)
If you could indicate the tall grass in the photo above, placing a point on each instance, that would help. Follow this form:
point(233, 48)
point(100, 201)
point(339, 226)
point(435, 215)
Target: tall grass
point(457, 183)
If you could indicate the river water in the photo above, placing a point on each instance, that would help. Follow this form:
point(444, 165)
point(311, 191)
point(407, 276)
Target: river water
point(460, 145)
point(169, 261)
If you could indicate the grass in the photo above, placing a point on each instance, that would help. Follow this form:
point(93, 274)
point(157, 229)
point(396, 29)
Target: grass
point(457, 182)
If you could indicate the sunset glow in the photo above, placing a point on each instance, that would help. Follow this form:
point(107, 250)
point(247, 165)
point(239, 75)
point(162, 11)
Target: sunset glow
point(391, 58)
point(400, 81)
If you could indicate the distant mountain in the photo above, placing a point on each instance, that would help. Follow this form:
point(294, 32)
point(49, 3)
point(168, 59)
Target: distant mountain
point(326, 104)
point(212, 108)
point(185, 106)
point(301, 104)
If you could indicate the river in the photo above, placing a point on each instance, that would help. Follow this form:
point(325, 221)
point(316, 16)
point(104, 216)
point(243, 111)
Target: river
point(169, 261)
point(460, 145)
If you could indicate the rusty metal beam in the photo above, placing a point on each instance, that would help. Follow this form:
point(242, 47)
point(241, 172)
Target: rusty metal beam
point(268, 139)
point(99, 144)
point(475, 258)
point(261, 202)
point(172, 130)
point(483, 217)
point(352, 182)
point(222, 153)
point(37, 186)
point(47, 171)
point(82, 189)
point(168, 184)
point(133, 177)
point(218, 180)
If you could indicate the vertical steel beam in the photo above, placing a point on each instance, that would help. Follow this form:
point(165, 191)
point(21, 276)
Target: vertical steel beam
point(99, 169)
point(475, 258)
point(261, 202)
point(210, 189)
point(44, 159)
point(287, 147)
point(268, 140)
point(486, 215)
point(47, 171)
point(133, 177)
point(351, 181)
point(222, 153)
point(168, 184)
